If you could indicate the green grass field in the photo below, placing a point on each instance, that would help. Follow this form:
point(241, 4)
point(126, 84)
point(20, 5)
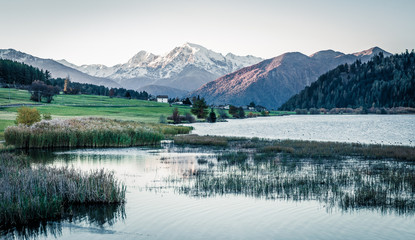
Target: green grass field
point(69, 106)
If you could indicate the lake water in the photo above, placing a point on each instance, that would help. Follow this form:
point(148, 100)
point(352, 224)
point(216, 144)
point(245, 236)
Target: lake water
point(376, 129)
point(185, 193)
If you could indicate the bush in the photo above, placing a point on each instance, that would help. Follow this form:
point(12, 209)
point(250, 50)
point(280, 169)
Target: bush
point(314, 111)
point(264, 113)
point(189, 118)
point(163, 119)
point(222, 114)
point(47, 116)
point(176, 116)
point(27, 116)
point(301, 111)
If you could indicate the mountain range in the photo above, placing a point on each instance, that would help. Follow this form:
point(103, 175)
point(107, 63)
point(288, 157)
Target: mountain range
point(273, 81)
point(185, 68)
point(193, 70)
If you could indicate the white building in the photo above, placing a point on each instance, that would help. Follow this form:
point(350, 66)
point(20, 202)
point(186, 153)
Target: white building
point(163, 98)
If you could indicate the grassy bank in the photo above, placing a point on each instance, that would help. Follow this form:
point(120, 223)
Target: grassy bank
point(88, 132)
point(266, 149)
point(29, 194)
point(70, 106)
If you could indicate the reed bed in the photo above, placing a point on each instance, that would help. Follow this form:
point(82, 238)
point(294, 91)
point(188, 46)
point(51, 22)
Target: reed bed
point(233, 157)
point(96, 215)
point(194, 139)
point(88, 132)
point(349, 185)
point(40, 193)
point(303, 149)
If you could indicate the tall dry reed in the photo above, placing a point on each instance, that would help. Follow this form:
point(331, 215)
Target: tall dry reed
point(88, 132)
point(39, 193)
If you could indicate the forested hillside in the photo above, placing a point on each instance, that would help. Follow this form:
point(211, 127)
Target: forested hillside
point(12, 72)
point(20, 75)
point(381, 82)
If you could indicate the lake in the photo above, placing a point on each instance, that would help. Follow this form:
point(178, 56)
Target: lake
point(371, 129)
point(186, 193)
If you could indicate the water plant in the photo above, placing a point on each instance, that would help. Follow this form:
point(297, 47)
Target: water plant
point(347, 184)
point(194, 139)
point(88, 132)
point(303, 149)
point(36, 193)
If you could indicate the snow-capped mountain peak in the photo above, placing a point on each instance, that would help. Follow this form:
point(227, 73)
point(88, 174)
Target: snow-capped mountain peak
point(148, 65)
point(187, 67)
point(142, 58)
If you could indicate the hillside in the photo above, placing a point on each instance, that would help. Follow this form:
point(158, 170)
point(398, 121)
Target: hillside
point(273, 81)
point(12, 72)
point(56, 69)
point(381, 82)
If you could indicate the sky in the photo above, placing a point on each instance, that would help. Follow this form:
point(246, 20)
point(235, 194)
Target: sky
point(111, 32)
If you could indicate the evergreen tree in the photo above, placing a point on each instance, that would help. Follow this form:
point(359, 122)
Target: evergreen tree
point(212, 116)
point(200, 108)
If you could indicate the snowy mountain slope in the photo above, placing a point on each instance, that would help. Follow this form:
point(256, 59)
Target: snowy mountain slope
point(56, 69)
point(148, 69)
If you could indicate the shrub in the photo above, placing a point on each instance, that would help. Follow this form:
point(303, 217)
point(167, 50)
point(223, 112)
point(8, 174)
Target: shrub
point(301, 111)
point(27, 116)
point(176, 116)
point(47, 116)
point(163, 119)
point(264, 113)
point(314, 111)
point(189, 118)
point(222, 114)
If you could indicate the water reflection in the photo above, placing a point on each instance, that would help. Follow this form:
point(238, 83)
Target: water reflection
point(95, 216)
point(350, 185)
point(175, 191)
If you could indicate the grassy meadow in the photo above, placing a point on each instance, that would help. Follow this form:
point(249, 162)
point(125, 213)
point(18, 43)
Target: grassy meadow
point(70, 106)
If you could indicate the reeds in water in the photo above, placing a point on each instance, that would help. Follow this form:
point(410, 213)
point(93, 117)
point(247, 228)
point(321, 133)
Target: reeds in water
point(194, 139)
point(88, 132)
point(39, 193)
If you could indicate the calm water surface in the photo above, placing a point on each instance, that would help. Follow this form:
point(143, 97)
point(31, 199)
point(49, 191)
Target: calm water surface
point(163, 201)
point(377, 129)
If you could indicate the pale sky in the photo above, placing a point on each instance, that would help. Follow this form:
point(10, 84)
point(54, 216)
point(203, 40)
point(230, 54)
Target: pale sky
point(111, 32)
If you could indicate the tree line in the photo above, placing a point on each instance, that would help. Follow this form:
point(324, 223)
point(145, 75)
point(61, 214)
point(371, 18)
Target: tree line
point(40, 84)
point(12, 72)
point(381, 82)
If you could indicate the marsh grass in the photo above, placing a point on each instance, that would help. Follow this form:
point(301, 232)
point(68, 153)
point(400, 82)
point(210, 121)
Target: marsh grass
point(37, 193)
point(193, 139)
point(347, 184)
point(96, 215)
point(303, 149)
point(233, 157)
point(347, 176)
point(88, 132)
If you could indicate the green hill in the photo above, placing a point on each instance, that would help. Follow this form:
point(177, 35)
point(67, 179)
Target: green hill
point(381, 82)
